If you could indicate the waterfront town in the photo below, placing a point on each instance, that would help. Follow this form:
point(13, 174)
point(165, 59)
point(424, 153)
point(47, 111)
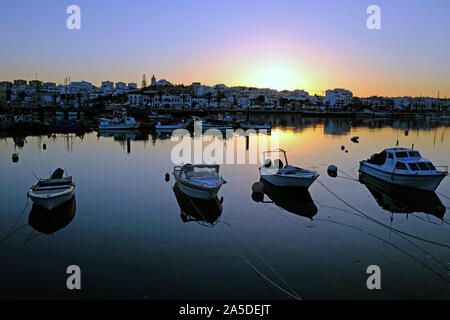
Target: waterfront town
point(163, 95)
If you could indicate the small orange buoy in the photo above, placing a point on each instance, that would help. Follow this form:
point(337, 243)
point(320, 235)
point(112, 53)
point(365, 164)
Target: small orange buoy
point(167, 177)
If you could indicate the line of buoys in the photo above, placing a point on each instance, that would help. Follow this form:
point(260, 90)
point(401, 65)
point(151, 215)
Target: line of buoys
point(15, 157)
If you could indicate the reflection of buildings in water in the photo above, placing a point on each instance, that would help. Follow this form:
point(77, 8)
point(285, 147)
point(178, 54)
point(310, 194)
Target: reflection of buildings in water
point(124, 137)
point(292, 199)
point(205, 212)
point(19, 141)
point(51, 221)
point(337, 126)
point(120, 135)
point(398, 199)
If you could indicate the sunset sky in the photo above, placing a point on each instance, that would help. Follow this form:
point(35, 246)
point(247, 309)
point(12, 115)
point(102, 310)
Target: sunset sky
point(311, 45)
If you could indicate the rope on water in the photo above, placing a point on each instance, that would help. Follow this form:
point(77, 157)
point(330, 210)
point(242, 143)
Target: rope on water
point(315, 235)
point(294, 296)
point(348, 175)
point(412, 257)
point(380, 223)
point(11, 230)
point(262, 258)
point(443, 195)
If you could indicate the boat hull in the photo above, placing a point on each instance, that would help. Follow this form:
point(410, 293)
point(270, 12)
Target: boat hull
point(197, 193)
point(286, 181)
point(421, 182)
point(51, 203)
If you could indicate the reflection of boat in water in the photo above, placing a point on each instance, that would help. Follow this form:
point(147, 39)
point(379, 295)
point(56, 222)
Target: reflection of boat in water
point(398, 199)
point(51, 221)
point(296, 200)
point(201, 211)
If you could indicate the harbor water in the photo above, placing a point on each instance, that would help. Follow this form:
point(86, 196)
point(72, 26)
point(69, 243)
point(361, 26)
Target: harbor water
point(127, 233)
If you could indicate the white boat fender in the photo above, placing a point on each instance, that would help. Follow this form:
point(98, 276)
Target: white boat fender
point(258, 187)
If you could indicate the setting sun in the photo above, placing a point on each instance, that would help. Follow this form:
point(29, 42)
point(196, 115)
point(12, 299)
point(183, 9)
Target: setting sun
point(276, 73)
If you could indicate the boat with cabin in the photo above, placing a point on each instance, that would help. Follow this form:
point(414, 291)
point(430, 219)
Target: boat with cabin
point(404, 167)
point(119, 123)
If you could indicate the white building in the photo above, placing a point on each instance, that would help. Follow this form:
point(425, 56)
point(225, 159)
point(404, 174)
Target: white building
point(107, 85)
point(121, 86)
point(338, 98)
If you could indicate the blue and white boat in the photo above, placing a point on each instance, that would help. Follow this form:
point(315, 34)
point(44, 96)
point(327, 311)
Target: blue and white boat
point(404, 167)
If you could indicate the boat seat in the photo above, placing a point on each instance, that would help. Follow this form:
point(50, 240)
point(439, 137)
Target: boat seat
point(268, 163)
point(278, 164)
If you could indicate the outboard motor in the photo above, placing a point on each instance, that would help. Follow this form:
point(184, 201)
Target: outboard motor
point(57, 174)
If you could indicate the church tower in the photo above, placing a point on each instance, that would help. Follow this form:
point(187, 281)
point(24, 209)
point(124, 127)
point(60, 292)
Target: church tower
point(144, 81)
point(153, 80)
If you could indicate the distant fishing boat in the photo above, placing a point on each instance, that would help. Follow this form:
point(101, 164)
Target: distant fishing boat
point(404, 167)
point(52, 192)
point(199, 181)
point(284, 175)
point(206, 125)
point(119, 123)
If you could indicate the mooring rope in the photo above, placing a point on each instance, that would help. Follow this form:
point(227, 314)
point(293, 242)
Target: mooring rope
point(11, 230)
point(294, 296)
point(380, 223)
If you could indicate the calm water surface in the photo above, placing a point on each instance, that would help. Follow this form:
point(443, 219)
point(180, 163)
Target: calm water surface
point(131, 239)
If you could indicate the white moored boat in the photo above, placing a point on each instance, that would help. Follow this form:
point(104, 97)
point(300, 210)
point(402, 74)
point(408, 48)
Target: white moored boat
point(404, 167)
point(279, 174)
point(119, 123)
point(52, 192)
point(199, 181)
